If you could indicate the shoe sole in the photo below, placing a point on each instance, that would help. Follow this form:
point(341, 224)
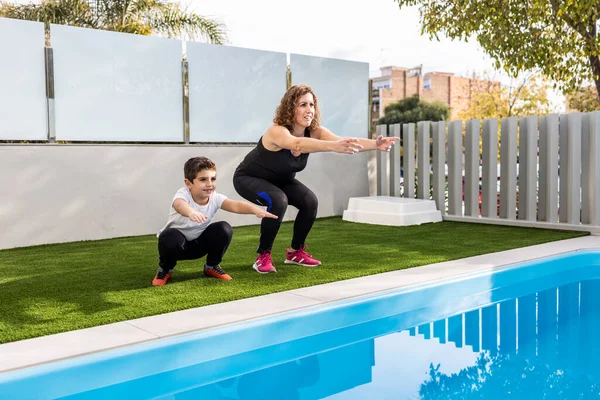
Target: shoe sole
point(297, 263)
point(217, 277)
point(254, 267)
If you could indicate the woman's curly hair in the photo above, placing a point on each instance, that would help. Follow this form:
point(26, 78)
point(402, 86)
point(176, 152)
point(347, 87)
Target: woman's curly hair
point(284, 114)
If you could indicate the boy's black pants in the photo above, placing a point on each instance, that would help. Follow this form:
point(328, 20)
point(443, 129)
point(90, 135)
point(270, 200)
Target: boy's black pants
point(212, 243)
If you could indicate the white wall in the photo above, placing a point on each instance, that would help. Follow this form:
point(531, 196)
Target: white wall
point(64, 193)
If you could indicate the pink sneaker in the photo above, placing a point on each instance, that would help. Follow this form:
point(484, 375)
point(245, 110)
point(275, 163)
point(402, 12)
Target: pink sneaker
point(264, 263)
point(301, 257)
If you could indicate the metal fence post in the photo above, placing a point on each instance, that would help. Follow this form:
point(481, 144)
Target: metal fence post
point(51, 121)
point(186, 101)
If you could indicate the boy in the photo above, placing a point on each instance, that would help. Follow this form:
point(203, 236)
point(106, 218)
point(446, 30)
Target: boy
point(188, 234)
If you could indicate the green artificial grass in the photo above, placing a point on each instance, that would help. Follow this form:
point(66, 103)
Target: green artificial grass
point(56, 288)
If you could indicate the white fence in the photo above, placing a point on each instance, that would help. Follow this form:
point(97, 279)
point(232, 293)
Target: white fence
point(541, 327)
point(533, 171)
point(101, 86)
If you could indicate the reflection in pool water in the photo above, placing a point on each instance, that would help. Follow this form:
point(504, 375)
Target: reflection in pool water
point(538, 345)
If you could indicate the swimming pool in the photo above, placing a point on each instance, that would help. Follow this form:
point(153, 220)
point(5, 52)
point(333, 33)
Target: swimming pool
point(520, 330)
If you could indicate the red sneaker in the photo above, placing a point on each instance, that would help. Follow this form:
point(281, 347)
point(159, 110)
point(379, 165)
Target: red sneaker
point(161, 277)
point(264, 263)
point(301, 257)
point(216, 272)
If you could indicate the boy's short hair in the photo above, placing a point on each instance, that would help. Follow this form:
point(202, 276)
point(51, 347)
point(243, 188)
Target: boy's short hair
point(195, 165)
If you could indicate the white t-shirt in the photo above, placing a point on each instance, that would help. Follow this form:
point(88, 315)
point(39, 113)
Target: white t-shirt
point(190, 229)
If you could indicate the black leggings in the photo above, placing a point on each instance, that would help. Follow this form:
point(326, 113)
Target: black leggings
point(277, 197)
point(213, 242)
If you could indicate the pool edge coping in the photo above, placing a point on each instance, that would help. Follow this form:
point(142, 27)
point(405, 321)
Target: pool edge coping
point(62, 346)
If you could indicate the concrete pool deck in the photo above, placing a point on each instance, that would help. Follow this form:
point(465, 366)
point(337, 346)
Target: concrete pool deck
point(45, 349)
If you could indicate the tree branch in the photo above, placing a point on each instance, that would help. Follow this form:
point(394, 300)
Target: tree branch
point(578, 27)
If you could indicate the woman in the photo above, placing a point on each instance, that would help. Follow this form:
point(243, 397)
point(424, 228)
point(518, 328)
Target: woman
point(266, 176)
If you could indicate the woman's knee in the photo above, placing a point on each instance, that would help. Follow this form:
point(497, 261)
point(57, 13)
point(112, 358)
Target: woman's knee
point(277, 203)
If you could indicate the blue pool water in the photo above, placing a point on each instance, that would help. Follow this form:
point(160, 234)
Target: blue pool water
point(524, 331)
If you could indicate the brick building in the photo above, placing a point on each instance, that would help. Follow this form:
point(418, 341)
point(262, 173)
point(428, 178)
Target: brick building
point(397, 83)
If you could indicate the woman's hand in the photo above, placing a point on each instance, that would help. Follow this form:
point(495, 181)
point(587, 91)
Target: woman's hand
point(347, 146)
point(385, 143)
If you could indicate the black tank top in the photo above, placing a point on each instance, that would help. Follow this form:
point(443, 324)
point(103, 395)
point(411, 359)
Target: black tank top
point(274, 166)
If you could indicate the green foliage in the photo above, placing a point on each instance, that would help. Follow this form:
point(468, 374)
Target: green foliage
point(584, 99)
point(558, 38)
point(411, 109)
point(143, 17)
point(524, 97)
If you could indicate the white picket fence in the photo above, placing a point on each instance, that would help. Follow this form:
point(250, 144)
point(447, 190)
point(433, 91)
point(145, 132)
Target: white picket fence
point(546, 174)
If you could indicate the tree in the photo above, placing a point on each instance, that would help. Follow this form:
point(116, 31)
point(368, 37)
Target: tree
point(505, 376)
point(411, 109)
point(522, 97)
point(583, 99)
point(559, 38)
point(144, 17)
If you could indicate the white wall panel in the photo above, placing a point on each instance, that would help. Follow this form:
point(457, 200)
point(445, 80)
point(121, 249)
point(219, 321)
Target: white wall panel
point(113, 86)
point(342, 89)
point(233, 91)
point(22, 81)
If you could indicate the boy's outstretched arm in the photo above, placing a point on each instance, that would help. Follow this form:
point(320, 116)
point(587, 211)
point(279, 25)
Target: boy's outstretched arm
point(183, 208)
point(242, 207)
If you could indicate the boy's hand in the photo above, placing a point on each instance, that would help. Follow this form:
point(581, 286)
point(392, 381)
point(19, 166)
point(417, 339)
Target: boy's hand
point(265, 214)
point(196, 216)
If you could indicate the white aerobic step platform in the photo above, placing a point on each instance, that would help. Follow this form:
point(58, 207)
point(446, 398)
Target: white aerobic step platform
point(395, 211)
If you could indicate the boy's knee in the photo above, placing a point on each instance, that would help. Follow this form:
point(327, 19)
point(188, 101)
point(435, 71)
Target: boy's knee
point(171, 239)
point(225, 229)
